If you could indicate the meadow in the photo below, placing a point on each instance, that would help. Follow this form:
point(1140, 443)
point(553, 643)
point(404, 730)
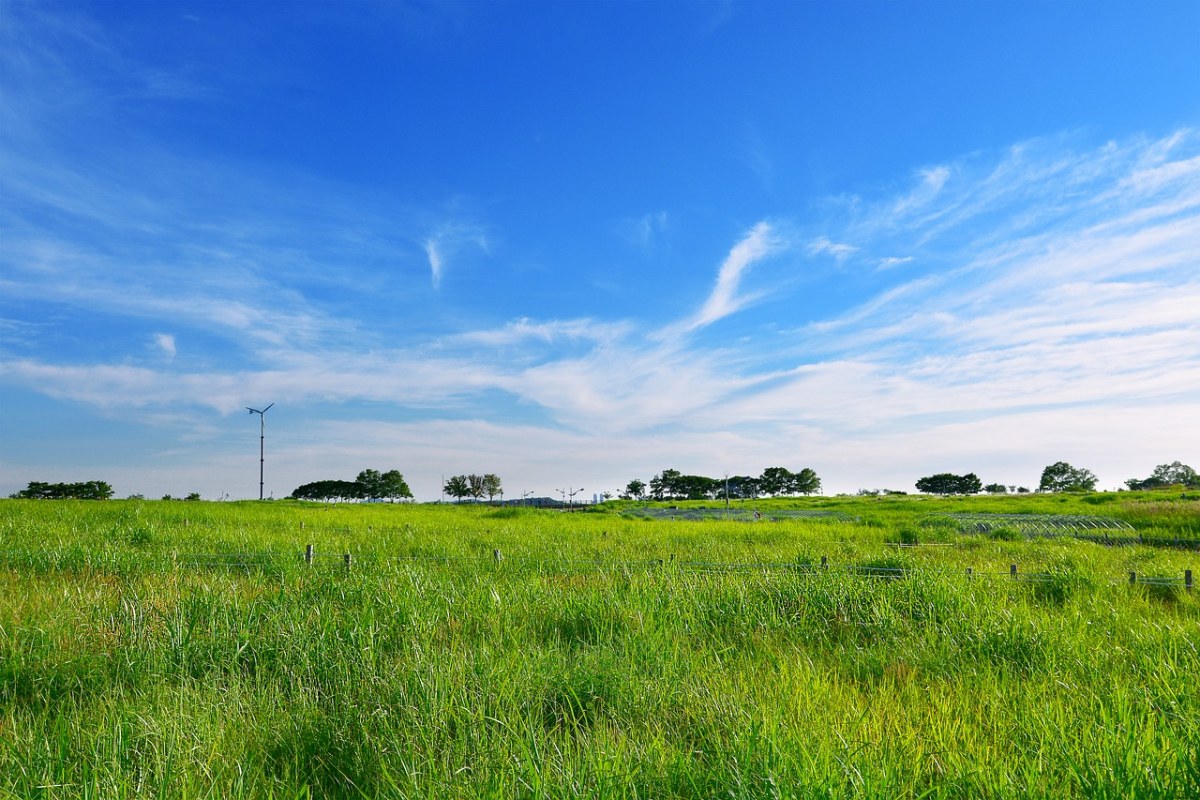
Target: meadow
point(187, 649)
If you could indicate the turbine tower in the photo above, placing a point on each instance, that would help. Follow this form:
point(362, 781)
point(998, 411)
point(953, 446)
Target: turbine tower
point(262, 437)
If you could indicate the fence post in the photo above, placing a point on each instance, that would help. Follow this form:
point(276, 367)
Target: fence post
point(1012, 570)
point(496, 555)
point(308, 554)
point(1187, 579)
point(349, 560)
point(1132, 578)
point(301, 524)
point(970, 573)
point(824, 562)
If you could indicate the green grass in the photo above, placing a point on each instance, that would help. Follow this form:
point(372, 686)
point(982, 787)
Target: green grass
point(602, 656)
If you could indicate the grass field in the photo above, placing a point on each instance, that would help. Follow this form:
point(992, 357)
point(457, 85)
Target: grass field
point(179, 649)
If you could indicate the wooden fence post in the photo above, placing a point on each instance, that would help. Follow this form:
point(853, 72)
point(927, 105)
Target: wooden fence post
point(1187, 579)
point(1132, 578)
point(970, 573)
point(349, 560)
point(308, 554)
point(824, 562)
point(496, 555)
point(1012, 570)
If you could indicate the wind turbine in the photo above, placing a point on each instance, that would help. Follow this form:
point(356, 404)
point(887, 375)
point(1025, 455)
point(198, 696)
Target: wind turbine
point(262, 436)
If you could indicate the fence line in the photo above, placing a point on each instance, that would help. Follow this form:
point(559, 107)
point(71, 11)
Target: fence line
point(868, 571)
point(267, 560)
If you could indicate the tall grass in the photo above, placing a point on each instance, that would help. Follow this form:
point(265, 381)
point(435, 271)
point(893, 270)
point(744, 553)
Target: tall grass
point(600, 657)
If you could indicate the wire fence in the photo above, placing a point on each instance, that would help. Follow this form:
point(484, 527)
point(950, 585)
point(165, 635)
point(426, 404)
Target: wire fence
point(309, 558)
point(1101, 530)
point(349, 561)
point(734, 514)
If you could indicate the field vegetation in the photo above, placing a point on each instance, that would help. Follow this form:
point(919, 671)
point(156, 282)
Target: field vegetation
point(190, 650)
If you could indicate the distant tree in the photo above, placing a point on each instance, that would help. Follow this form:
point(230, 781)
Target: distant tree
point(741, 487)
point(1173, 474)
point(85, 490)
point(669, 481)
point(492, 485)
point(193, 496)
point(328, 491)
point(996, 488)
point(941, 483)
point(475, 486)
point(949, 483)
point(806, 482)
point(370, 485)
point(775, 481)
point(969, 484)
point(1062, 477)
point(458, 487)
point(665, 485)
point(392, 486)
point(635, 490)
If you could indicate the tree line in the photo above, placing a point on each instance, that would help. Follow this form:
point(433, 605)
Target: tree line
point(460, 487)
point(85, 490)
point(371, 484)
point(671, 484)
point(1059, 477)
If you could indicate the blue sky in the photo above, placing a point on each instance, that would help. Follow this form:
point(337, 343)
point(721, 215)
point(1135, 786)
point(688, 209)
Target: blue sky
point(579, 243)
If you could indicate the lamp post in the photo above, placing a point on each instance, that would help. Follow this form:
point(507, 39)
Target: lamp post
point(262, 438)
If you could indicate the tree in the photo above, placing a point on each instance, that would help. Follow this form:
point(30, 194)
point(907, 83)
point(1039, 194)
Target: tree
point(1173, 474)
point(996, 488)
point(370, 485)
point(741, 487)
point(393, 487)
point(1062, 477)
point(492, 485)
point(635, 490)
point(806, 482)
point(941, 483)
point(475, 486)
point(775, 481)
point(949, 483)
point(327, 491)
point(458, 487)
point(969, 484)
point(85, 490)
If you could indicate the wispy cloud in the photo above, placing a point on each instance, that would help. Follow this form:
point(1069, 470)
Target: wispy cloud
point(889, 262)
point(451, 239)
point(1044, 290)
point(759, 243)
point(166, 343)
point(824, 245)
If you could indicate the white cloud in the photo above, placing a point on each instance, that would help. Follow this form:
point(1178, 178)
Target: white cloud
point(1007, 344)
point(759, 243)
point(434, 253)
point(824, 245)
point(166, 343)
point(448, 240)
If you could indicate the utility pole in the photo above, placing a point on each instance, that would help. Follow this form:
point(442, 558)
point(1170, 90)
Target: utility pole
point(262, 439)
